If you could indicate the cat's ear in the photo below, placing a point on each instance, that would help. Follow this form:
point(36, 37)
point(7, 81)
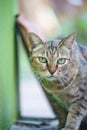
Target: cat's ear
point(69, 41)
point(34, 40)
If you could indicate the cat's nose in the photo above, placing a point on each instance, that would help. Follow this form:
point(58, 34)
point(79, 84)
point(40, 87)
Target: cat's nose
point(52, 71)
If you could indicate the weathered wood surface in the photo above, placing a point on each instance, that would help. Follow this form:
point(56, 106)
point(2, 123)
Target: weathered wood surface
point(35, 125)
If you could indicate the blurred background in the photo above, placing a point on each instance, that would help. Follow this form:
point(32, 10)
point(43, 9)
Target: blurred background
point(47, 18)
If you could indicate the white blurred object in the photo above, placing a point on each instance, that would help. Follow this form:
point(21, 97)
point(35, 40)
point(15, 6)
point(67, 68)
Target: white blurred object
point(48, 21)
point(76, 2)
point(33, 102)
point(32, 99)
point(42, 14)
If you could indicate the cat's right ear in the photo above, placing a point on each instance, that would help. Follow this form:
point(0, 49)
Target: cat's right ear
point(33, 41)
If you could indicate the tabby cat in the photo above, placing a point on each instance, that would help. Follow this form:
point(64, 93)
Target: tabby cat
point(61, 67)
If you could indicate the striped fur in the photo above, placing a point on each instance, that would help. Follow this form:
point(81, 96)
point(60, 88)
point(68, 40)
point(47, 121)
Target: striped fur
point(67, 81)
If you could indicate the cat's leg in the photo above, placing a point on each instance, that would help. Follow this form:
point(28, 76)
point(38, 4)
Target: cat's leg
point(60, 112)
point(58, 108)
point(77, 111)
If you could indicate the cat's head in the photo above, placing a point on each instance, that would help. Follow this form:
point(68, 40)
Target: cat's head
point(52, 59)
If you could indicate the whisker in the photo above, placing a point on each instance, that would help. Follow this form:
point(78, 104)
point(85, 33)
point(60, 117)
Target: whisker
point(65, 77)
point(41, 79)
point(64, 80)
point(61, 81)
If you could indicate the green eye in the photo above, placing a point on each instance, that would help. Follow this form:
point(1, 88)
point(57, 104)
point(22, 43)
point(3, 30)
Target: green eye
point(42, 59)
point(61, 61)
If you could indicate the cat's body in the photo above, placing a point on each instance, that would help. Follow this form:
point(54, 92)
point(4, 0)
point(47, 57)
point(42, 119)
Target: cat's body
point(61, 67)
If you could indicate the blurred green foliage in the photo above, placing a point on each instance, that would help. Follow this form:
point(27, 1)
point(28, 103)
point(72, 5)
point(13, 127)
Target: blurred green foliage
point(81, 26)
point(7, 65)
point(76, 24)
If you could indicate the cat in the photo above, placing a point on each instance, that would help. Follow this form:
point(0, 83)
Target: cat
point(61, 67)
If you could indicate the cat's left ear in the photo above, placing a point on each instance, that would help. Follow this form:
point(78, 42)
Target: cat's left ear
point(69, 41)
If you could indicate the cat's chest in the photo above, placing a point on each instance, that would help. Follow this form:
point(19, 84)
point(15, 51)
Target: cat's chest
point(68, 93)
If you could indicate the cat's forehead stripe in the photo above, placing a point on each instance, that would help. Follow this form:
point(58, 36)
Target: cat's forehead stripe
point(52, 47)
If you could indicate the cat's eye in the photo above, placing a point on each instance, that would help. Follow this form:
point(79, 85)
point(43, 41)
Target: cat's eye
point(42, 59)
point(61, 61)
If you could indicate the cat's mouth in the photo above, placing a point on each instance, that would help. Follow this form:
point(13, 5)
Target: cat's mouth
point(51, 78)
